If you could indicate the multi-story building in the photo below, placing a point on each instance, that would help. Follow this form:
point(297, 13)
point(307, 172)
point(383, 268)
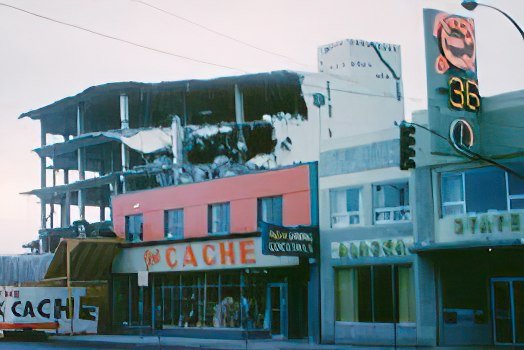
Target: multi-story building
point(365, 214)
point(470, 234)
point(201, 244)
point(468, 186)
point(366, 230)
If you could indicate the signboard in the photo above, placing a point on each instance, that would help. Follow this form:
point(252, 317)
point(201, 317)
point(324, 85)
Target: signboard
point(451, 68)
point(375, 248)
point(40, 307)
point(143, 278)
point(490, 226)
point(289, 241)
point(198, 256)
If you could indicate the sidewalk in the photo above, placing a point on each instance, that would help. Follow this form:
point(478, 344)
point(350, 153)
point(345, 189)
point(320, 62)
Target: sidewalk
point(188, 343)
point(162, 342)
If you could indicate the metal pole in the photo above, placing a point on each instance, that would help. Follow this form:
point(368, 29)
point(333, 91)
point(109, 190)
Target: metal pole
point(507, 16)
point(69, 289)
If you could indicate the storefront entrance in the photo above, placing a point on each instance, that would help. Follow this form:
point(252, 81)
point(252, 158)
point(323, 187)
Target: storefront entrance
point(277, 309)
point(507, 305)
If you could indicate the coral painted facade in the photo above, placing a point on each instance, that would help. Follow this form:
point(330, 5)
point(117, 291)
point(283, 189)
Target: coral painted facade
point(242, 193)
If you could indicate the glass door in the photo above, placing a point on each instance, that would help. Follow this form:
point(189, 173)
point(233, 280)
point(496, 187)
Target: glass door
point(277, 309)
point(508, 310)
point(518, 313)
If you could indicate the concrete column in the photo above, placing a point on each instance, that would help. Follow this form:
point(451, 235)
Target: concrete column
point(66, 206)
point(239, 116)
point(81, 159)
point(425, 279)
point(124, 124)
point(43, 179)
point(239, 105)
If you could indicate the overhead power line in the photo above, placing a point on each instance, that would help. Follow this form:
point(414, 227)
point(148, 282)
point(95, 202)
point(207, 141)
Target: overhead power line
point(107, 36)
point(220, 34)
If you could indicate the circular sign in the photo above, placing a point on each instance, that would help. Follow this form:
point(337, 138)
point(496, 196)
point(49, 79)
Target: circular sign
point(461, 134)
point(457, 42)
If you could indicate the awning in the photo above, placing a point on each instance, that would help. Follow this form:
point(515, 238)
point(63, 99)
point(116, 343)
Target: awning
point(429, 247)
point(89, 259)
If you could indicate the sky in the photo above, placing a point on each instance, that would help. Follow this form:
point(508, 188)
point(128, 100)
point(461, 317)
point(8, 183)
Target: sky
point(42, 61)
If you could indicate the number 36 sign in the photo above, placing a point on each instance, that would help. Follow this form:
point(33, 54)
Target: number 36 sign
point(464, 94)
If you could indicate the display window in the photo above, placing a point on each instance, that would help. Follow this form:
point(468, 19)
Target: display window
point(225, 299)
point(373, 293)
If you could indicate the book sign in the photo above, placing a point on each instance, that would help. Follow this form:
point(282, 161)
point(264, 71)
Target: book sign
point(289, 241)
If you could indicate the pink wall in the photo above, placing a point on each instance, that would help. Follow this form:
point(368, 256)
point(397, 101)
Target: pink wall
point(241, 192)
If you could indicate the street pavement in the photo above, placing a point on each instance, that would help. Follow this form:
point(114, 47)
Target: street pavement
point(12, 345)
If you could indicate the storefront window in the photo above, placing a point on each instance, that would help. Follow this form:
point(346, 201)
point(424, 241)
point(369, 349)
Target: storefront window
point(253, 304)
point(228, 311)
point(212, 300)
point(365, 294)
point(201, 299)
point(121, 300)
point(192, 300)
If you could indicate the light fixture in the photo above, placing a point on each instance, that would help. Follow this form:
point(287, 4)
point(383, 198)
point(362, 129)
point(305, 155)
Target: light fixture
point(469, 5)
point(136, 206)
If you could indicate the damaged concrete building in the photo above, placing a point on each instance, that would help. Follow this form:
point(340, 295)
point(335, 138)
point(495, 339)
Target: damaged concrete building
point(118, 137)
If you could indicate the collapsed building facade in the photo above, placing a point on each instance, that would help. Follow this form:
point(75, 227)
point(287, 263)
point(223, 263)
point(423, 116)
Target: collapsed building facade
point(119, 138)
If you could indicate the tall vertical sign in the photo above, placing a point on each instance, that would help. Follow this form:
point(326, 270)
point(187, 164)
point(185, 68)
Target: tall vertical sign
point(453, 96)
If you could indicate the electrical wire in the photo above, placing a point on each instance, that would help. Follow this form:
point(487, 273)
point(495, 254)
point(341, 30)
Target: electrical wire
point(107, 36)
point(466, 152)
point(219, 33)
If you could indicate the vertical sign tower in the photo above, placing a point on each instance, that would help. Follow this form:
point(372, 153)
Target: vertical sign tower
point(453, 97)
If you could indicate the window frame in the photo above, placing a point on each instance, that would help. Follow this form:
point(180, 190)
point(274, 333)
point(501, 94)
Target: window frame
point(348, 214)
point(464, 202)
point(391, 210)
point(511, 197)
point(126, 227)
point(210, 218)
point(456, 203)
point(259, 209)
point(166, 223)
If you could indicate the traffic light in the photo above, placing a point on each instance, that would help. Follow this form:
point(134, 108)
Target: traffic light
point(407, 143)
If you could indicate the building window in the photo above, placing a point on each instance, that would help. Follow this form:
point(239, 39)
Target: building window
point(270, 210)
point(516, 188)
point(391, 202)
point(134, 228)
point(345, 207)
point(481, 190)
point(218, 218)
point(365, 294)
point(226, 299)
point(453, 201)
point(174, 224)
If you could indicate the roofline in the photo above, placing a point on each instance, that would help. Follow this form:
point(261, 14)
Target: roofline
point(36, 113)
